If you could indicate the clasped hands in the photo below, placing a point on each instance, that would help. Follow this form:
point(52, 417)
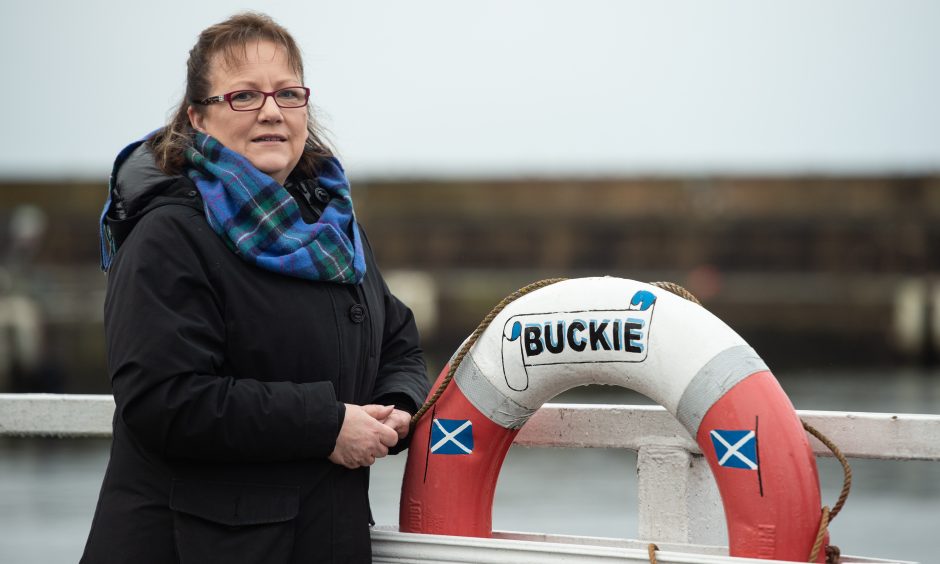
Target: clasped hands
point(367, 433)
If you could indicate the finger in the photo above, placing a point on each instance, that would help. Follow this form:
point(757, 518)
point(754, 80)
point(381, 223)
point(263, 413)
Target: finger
point(366, 458)
point(379, 412)
point(342, 461)
point(403, 424)
point(399, 426)
point(388, 436)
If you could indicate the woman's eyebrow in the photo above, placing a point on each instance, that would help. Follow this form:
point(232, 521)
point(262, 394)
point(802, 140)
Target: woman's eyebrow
point(249, 84)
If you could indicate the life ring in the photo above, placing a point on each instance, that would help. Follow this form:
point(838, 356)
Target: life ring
point(627, 333)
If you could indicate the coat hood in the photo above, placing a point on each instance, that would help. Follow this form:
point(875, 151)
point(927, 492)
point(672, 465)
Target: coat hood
point(137, 185)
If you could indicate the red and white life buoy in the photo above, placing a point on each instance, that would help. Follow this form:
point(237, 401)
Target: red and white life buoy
point(621, 332)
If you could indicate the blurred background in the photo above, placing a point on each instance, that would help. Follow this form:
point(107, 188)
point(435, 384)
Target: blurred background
point(780, 160)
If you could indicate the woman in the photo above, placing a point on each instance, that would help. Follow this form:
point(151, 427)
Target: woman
point(258, 361)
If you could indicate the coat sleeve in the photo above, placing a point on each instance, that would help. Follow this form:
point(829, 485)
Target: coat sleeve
point(402, 371)
point(166, 340)
point(402, 378)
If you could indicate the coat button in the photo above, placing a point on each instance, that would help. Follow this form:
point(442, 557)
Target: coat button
point(357, 313)
point(321, 194)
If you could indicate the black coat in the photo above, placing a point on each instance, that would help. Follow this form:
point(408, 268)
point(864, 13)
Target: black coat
point(229, 383)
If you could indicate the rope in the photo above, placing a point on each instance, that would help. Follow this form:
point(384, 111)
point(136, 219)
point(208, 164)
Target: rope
point(833, 555)
point(846, 469)
point(473, 339)
point(677, 290)
point(823, 525)
point(651, 550)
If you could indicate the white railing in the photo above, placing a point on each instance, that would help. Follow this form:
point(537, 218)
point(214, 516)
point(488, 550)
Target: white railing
point(678, 500)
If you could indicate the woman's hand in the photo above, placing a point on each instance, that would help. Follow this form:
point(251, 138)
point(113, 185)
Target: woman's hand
point(400, 422)
point(363, 437)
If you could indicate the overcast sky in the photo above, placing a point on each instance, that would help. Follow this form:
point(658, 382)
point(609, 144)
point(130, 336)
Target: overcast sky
point(496, 88)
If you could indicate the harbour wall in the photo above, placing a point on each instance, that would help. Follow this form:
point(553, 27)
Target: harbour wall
point(813, 271)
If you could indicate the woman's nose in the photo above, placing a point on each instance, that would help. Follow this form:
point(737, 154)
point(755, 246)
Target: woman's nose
point(269, 110)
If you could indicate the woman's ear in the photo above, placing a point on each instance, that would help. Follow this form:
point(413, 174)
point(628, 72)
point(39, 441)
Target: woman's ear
point(196, 119)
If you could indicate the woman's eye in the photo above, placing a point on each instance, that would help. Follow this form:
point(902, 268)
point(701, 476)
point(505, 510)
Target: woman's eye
point(289, 94)
point(244, 96)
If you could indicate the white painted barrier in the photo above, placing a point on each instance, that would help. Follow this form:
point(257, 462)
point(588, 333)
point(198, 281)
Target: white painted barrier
point(858, 434)
point(678, 501)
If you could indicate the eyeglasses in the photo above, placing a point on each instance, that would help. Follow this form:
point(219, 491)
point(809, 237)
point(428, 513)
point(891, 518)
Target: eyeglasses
point(250, 100)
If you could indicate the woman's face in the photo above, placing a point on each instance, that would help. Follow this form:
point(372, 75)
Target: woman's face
point(271, 138)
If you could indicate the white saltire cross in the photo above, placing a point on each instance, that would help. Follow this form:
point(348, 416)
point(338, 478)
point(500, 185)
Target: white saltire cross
point(450, 436)
point(733, 449)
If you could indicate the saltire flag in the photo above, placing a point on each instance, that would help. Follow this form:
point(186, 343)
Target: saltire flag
point(735, 449)
point(451, 436)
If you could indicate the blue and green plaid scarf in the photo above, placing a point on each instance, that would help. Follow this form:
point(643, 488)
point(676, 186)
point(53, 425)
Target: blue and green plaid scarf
point(260, 221)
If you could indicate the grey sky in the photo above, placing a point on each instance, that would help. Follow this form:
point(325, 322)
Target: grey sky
point(497, 88)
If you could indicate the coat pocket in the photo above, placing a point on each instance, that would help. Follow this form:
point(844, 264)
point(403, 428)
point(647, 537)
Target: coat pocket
point(228, 522)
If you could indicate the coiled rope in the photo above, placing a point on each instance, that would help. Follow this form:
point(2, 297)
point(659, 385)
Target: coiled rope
point(651, 551)
point(677, 290)
point(832, 552)
point(473, 339)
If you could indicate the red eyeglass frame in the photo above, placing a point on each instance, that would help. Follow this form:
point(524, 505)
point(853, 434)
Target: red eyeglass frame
point(227, 97)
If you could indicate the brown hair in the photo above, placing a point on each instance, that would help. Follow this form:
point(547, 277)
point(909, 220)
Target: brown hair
point(229, 38)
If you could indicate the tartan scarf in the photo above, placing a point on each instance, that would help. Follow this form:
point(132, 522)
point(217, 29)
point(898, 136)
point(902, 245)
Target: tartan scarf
point(260, 221)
